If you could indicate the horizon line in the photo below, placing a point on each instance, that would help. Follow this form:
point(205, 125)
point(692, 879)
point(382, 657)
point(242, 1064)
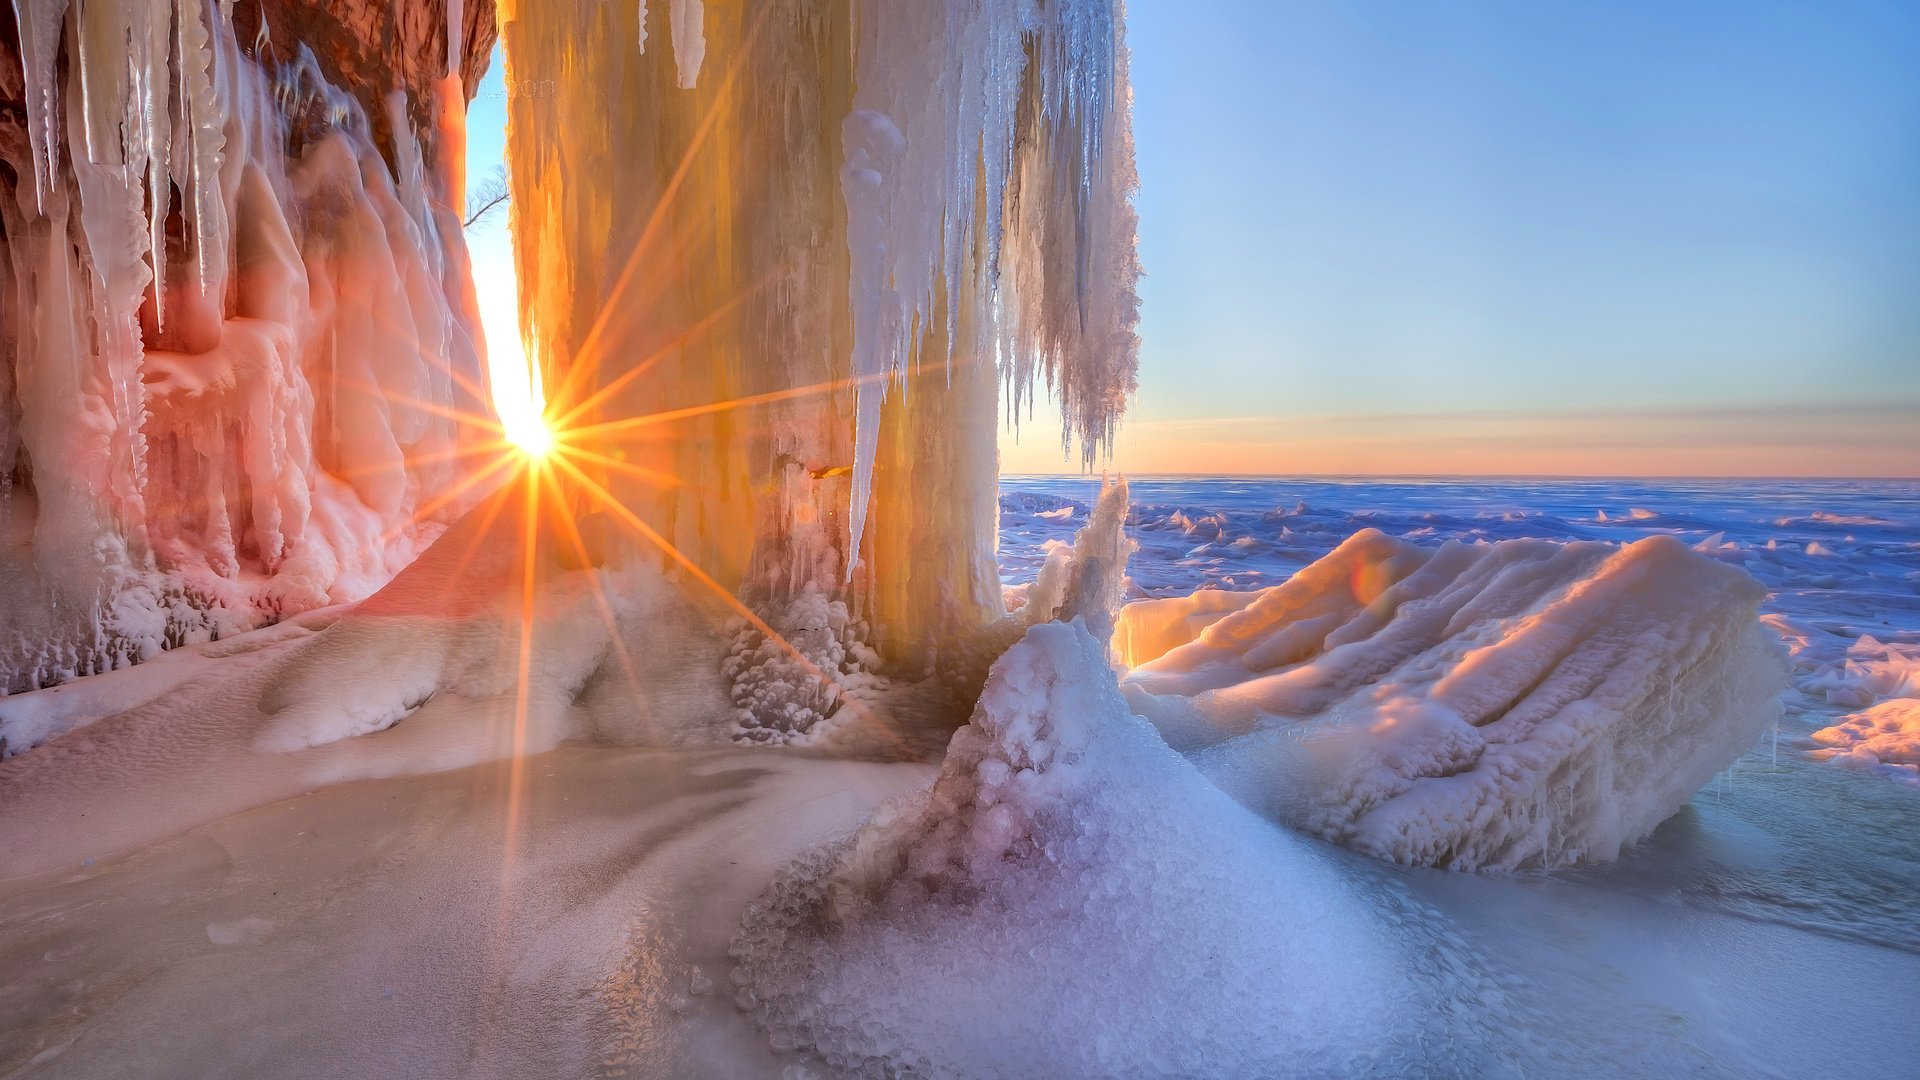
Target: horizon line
point(1188, 475)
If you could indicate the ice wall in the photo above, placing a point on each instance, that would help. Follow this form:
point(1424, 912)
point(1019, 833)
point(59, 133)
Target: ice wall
point(1472, 706)
point(235, 325)
point(880, 225)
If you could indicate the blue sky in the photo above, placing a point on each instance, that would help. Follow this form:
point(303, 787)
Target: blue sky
point(1673, 221)
point(1519, 237)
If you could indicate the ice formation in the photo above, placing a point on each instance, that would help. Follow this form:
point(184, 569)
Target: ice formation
point(792, 687)
point(823, 259)
point(1086, 580)
point(1472, 706)
point(236, 323)
point(1886, 735)
point(1072, 898)
point(788, 688)
point(1876, 682)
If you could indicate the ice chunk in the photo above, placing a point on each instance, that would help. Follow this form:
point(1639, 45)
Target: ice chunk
point(1086, 580)
point(1885, 737)
point(789, 688)
point(1523, 703)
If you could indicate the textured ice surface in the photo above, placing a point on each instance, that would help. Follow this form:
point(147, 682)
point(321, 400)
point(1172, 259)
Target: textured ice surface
point(1487, 706)
point(566, 920)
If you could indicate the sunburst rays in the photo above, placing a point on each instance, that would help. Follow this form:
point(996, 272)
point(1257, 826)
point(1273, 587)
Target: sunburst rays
point(582, 451)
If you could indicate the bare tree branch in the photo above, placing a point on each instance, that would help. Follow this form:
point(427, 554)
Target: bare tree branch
point(487, 196)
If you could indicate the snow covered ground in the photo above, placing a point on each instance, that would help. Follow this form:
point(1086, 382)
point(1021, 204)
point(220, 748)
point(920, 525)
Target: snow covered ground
point(217, 877)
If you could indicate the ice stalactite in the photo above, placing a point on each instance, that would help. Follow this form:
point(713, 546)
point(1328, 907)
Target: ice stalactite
point(456, 35)
point(40, 23)
point(863, 220)
point(689, 40)
point(987, 178)
point(239, 330)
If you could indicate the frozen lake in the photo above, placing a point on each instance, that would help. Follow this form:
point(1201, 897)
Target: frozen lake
point(1780, 837)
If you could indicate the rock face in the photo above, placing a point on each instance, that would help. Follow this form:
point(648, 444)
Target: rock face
point(368, 48)
point(237, 328)
point(371, 48)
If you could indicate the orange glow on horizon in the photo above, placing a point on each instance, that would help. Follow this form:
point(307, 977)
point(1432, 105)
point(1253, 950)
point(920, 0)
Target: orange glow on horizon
point(1783, 441)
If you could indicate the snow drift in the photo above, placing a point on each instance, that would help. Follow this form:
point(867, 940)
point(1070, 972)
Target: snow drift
point(1485, 706)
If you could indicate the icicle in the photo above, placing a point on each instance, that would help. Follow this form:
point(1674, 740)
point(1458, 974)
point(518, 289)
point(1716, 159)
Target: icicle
point(205, 121)
point(40, 22)
point(873, 147)
point(456, 40)
point(104, 44)
point(152, 45)
point(689, 39)
point(1005, 106)
point(232, 515)
point(983, 180)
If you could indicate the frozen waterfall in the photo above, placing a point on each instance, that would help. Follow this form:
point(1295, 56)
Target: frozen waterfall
point(836, 258)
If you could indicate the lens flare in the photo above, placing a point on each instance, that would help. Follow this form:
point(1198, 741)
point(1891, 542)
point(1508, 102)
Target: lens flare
point(530, 435)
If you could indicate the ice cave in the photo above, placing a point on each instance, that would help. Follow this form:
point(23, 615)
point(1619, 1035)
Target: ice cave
point(676, 687)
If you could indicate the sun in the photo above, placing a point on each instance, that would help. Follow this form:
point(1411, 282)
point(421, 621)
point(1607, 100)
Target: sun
point(520, 402)
point(530, 434)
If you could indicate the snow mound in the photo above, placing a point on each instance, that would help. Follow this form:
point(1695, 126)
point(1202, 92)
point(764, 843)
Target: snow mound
point(1067, 886)
point(1484, 706)
point(520, 651)
point(449, 626)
